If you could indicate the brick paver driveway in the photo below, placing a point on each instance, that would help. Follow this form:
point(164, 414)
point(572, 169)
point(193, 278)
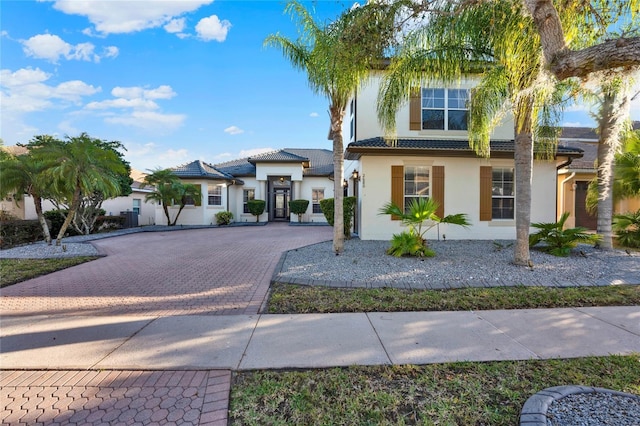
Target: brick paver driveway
point(209, 271)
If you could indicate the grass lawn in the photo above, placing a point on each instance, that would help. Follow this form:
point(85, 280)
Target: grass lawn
point(293, 299)
point(13, 271)
point(490, 393)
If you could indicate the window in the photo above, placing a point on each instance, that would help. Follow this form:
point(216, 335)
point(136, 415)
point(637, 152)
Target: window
point(445, 109)
point(247, 194)
point(416, 183)
point(502, 193)
point(214, 195)
point(316, 196)
point(137, 202)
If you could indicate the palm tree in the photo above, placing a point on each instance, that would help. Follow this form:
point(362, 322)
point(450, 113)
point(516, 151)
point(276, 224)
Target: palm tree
point(419, 217)
point(613, 112)
point(627, 168)
point(21, 175)
point(507, 60)
point(336, 58)
point(76, 167)
point(168, 190)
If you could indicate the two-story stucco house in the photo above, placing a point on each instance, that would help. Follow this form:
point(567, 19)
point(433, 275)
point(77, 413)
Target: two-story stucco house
point(432, 158)
point(275, 177)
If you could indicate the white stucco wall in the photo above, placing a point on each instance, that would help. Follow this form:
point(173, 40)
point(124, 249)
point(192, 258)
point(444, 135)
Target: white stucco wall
point(462, 184)
point(367, 125)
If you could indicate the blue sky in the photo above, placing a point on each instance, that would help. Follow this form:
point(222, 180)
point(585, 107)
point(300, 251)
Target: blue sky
point(174, 81)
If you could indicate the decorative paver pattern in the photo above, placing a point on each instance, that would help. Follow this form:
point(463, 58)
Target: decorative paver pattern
point(212, 271)
point(114, 397)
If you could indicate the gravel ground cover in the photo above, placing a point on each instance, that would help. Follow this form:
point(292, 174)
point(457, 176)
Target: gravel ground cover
point(459, 263)
point(597, 408)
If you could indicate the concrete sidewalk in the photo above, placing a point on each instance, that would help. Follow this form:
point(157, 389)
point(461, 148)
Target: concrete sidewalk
point(242, 342)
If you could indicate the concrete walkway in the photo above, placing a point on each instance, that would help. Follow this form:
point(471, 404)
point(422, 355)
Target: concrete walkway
point(242, 342)
point(124, 357)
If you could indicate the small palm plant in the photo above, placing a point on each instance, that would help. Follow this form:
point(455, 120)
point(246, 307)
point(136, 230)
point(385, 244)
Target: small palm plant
point(627, 229)
point(559, 241)
point(419, 218)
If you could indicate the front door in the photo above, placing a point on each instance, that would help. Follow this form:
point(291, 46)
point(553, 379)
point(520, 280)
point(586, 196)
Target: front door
point(583, 217)
point(281, 204)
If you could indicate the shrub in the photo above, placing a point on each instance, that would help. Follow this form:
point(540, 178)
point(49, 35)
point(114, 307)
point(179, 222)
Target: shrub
point(559, 241)
point(419, 218)
point(409, 244)
point(348, 205)
point(627, 229)
point(256, 208)
point(224, 218)
point(299, 207)
point(17, 232)
point(56, 219)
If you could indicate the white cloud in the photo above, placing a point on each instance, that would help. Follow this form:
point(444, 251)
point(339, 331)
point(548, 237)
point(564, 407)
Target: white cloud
point(128, 16)
point(255, 151)
point(25, 90)
point(175, 26)
point(574, 124)
point(233, 130)
point(161, 92)
point(212, 28)
point(110, 52)
point(121, 103)
point(314, 114)
point(149, 120)
point(150, 156)
point(51, 48)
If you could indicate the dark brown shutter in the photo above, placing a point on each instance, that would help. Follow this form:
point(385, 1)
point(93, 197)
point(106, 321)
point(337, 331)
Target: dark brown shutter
point(415, 110)
point(437, 188)
point(485, 193)
point(397, 187)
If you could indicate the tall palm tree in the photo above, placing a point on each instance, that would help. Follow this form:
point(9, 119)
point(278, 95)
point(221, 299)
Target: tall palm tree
point(21, 175)
point(78, 166)
point(507, 60)
point(336, 58)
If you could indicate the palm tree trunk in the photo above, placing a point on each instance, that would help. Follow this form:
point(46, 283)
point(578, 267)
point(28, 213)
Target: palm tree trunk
point(37, 201)
point(523, 157)
point(612, 115)
point(337, 115)
point(73, 207)
point(165, 209)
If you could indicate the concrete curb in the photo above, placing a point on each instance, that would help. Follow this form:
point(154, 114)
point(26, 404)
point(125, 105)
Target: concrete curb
point(534, 410)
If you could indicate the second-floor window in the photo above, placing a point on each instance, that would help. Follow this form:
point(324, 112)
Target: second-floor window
point(214, 195)
point(416, 183)
point(445, 109)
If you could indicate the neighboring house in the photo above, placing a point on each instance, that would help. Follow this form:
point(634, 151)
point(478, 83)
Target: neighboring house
point(574, 178)
point(431, 158)
point(25, 209)
point(275, 177)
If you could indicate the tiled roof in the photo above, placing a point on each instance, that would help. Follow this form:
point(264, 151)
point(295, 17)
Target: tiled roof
point(320, 162)
point(590, 154)
point(587, 133)
point(438, 145)
point(200, 169)
point(281, 156)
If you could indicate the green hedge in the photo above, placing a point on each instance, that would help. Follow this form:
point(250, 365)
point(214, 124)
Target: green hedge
point(299, 207)
point(16, 232)
point(348, 203)
point(224, 218)
point(256, 208)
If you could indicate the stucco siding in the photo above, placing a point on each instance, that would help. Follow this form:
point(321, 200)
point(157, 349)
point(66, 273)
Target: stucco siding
point(462, 183)
point(367, 125)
